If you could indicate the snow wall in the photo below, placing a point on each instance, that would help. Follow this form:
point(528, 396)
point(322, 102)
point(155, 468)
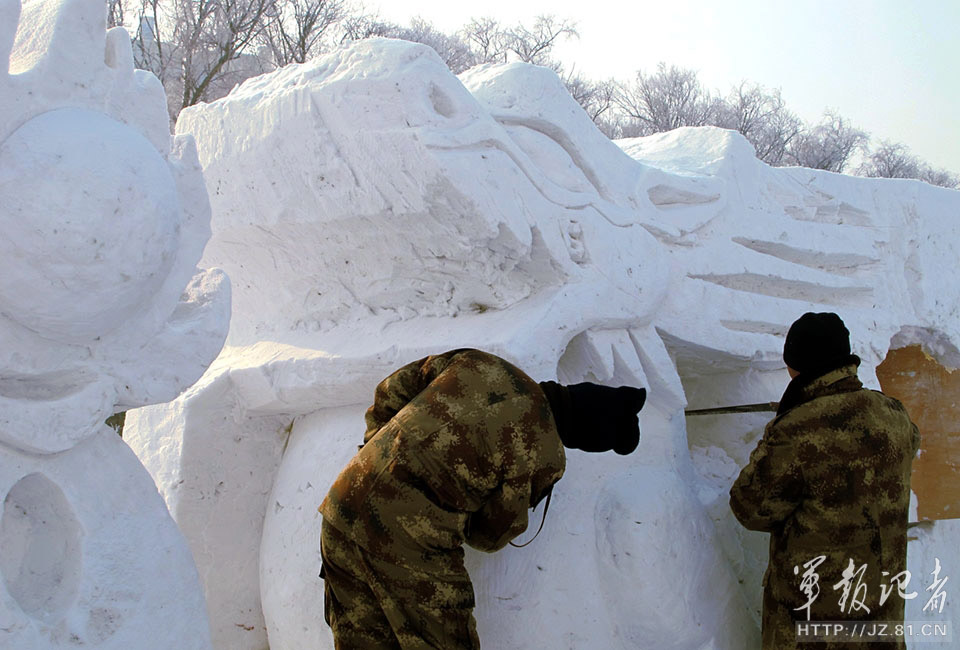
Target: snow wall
point(102, 308)
point(371, 208)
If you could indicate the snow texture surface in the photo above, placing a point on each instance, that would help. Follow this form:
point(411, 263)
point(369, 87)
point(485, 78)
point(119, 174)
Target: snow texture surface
point(372, 208)
point(102, 308)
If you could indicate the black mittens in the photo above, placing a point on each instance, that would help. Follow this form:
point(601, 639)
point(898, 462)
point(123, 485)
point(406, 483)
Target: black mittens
point(596, 418)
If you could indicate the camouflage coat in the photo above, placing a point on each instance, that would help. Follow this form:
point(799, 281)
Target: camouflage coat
point(458, 447)
point(830, 477)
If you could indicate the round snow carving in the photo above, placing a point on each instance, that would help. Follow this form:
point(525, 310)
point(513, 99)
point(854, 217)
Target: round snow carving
point(90, 221)
point(40, 538)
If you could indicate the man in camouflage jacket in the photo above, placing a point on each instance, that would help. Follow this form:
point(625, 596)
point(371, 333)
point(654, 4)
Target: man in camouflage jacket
point(458, 447)
point(830, 481)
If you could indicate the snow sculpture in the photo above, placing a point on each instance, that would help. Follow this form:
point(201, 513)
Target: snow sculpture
point(102, 309)
point(377, 209)
point(793, 240)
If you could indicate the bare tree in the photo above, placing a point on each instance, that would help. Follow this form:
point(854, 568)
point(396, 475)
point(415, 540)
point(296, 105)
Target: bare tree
point(830, 145)
point(454, 51)
point(534, 45)
point(215, 33)
point(894, 160)
point(670, 98)
point(491, 42)
point(762, 118)
point(200, 48)
point(151, 51)
point(772, 142)
point(890, 160)
point(487, 40)
point(115, 13)
point(356, 27)
point(940, 177)
point(595, 97)
point(295, 33)
point(193, 46)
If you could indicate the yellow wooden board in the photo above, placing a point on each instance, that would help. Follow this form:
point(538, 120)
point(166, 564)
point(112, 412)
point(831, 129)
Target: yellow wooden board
point(931, 394)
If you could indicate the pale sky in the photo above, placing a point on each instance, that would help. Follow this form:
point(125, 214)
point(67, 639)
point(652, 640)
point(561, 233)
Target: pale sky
point(889, 66)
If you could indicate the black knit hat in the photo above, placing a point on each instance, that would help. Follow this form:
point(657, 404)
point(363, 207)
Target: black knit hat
point(817, 343)
point(596, 418)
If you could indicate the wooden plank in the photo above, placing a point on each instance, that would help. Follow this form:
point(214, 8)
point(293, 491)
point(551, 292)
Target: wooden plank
point(931, 394)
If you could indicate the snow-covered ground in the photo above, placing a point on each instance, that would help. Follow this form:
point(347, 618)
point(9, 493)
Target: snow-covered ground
point(371, 208)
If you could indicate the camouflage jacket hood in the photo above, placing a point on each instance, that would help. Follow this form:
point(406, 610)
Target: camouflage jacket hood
point(830, 477)
point(458, 447)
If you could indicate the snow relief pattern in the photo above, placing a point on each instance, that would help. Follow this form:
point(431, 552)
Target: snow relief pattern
point(104, 218)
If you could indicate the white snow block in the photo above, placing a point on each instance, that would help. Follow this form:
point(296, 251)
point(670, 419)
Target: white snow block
point(755, 247)
point(104, 221)
point(102, 308)
point(215, 468)
point(90, 557)
point(381, 190)
point(322, 443)
point(214, 452)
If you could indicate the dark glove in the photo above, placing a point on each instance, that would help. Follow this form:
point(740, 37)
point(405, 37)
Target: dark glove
point(596, 418)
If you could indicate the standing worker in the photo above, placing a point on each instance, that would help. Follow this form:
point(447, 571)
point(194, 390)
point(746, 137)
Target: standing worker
point(830, 481)
point(458, 447)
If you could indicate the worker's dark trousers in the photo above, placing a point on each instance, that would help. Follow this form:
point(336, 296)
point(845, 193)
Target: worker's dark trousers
point(371, 604)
